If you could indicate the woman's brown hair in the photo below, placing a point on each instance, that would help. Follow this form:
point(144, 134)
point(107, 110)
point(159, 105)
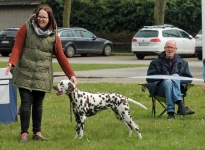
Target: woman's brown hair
point(52, 23)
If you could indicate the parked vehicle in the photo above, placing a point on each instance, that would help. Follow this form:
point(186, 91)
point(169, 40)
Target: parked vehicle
point(198, 45)
point(7, 39)
point(83, 42)
point(151, 40)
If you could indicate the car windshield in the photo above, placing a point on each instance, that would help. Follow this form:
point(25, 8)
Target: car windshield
point(8, 33)
point(147, 33)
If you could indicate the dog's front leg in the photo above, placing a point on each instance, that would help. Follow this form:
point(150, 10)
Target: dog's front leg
point(80, 123)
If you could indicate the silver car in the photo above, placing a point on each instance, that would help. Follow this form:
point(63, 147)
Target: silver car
point(198, 45)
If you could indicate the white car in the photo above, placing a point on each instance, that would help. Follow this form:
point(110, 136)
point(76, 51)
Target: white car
point(151, 40)
point(198, 45)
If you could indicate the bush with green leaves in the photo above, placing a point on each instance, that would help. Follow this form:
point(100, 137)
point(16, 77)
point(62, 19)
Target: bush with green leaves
point(112, 18)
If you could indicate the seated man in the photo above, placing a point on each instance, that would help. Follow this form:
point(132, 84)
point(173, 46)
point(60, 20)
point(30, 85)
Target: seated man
point(169, 63)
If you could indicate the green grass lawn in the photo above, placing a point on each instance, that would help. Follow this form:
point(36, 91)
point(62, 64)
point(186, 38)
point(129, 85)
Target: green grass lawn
point(80, 67)
point(104, 132)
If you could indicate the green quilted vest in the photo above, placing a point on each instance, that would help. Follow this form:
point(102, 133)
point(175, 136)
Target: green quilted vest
point(34, 70)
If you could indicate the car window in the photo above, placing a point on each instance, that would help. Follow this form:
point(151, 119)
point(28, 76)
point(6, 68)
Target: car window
point(165, 33)
point(8, 33)
point(66, 34)
point(76, 33)
point(87, 34)
point(183, 34)
point(173, 33)
point(147, 33)
point(200, 32)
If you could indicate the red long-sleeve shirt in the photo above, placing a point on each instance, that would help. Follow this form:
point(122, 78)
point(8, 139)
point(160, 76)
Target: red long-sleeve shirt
point(19, 45)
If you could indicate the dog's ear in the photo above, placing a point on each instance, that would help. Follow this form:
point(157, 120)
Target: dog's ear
point(71, 87)
point(55, 87)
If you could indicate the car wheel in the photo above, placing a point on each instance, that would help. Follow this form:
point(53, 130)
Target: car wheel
point(83, 55)
point(5, 53)
point(199, 56)
point(107, 50)
point(70, 51)
point(140, 56)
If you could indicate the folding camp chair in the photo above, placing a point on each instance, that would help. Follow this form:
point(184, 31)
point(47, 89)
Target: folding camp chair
point(162, 100)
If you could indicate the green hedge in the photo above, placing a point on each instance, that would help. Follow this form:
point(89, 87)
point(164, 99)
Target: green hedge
point(119, 20)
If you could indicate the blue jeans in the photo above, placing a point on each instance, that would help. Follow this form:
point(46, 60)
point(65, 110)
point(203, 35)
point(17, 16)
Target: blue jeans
point(171, 90)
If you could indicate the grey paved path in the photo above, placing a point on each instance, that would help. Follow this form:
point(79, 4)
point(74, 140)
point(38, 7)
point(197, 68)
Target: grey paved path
point(194, 63)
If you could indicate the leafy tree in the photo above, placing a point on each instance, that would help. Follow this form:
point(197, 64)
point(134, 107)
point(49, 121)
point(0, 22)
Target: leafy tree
point(119, 20)
point(66, 13)
point(159, 11)
point(185, 14)
point(57, 7)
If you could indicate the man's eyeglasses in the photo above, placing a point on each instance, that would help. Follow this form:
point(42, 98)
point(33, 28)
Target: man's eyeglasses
point(168, 47)
point(42, 17)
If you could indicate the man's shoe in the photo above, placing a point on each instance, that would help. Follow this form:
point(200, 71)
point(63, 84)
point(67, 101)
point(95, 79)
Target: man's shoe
point(185, 111)
point(24, 137)
point(38, 136)
point(170, 117)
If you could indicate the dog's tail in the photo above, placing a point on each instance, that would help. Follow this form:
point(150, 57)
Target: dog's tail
point(135, 102)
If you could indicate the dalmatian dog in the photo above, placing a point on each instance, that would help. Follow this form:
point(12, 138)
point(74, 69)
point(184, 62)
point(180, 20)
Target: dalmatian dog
point(86, 104)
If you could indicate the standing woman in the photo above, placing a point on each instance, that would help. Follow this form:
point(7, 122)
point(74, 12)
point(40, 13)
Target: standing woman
point(36, 43)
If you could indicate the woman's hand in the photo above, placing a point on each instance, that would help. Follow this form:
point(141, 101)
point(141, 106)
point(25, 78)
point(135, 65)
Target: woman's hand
point(73, 79)
point(8, 68)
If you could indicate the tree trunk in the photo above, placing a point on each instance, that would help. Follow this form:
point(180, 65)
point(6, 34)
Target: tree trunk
point(66, 14)
point(159, 11)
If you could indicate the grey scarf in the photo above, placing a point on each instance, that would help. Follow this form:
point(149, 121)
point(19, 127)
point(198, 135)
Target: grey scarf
point(40, 32)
